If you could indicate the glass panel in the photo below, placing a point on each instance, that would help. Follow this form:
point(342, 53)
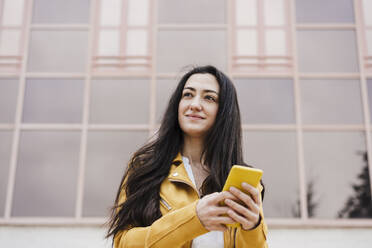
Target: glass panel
point(192, 11)
point(138, 12)
point(369, 42)
point(120, 101)
point(8, 99)
point(246, 12)
point(265, 100)
point(46, 177)
point(177, 49)
point(274, 12)
point(280, 170)
point(136, 42)
point(275, 42)
point(13, 12)
point(107, 150)
point(53, 100)
point(247, 42)
point(58, 51)
point(61, 11)
point(110, 12)
point(327, 51)
point(164, 90)
point(5, 151)
point(367, 8)
point(9, 43)
point(331, 102)
point(109, 43)
point(323, 11)
point(333, 160)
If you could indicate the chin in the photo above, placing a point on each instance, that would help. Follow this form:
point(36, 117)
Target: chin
point(193, 132)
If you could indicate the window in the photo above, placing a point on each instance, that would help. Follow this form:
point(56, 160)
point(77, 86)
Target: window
point(122, 35)
point(12, 21)
point(261, 36)
point(179, 48)
point(366, 25)
point(107, 153)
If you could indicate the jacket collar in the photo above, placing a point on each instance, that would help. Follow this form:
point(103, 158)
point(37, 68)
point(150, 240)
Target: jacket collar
point(178, 172)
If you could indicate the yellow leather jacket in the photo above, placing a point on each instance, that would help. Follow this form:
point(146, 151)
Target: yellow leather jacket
point(180, 224)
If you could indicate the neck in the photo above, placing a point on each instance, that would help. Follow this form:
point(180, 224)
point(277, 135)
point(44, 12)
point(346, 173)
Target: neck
point(192, 149)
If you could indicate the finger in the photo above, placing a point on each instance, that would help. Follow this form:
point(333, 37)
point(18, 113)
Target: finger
point(245, 198)
point(216, 197)
point(230, 196)
point(246, 224)
point(243, 211)
point(219, 210)
point(254, 192)
point(224, 220)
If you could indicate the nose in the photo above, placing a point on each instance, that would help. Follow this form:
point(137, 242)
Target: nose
point(195, 104)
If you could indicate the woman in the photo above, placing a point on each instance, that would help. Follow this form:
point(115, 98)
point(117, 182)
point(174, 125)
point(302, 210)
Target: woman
point(170, 195)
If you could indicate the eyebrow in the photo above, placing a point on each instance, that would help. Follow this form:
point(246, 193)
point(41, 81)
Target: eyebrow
point(193, 89)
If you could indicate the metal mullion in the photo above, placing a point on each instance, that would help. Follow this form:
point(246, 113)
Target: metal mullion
point(84, 133)
point(233, 34)
point(260, 34)
point(288, 34)
point(1, 14)
point(9, 74)
point(49, 126)
point(10, 27)
point(150, 37)
point(363, 85)
point(23, 31)
point(318, 223)
point(299, 131)
point(122, 127)
point(364, 28)
point(269, 127)
point(52, 221)
point(325, 26)
point(277, 74)
point(123, 27)
point(6, 127)
point(328, 75)
point(333, 128)
point(96, 32)
point(230, 13)
point(59, 27)
point(180, 27)
point(18, 115)
point(152, 43)
point(55, 75)
point(121, 74)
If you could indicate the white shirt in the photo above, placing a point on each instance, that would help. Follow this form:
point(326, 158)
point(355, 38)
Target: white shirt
point(212, 239)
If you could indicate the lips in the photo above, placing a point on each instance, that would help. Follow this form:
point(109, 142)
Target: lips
point(195, 117)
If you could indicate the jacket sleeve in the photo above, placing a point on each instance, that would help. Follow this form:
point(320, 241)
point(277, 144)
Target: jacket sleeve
point(171, 230)
point(255, 238)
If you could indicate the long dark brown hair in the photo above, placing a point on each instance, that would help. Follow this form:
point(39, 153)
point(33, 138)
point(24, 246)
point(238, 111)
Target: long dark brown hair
point(150, 165)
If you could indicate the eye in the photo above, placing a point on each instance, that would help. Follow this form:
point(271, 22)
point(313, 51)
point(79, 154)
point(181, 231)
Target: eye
point(187, 94)
point(210, 98)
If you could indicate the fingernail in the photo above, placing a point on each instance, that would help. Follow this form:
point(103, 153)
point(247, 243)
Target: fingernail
point(245, 184)
point(232, 188)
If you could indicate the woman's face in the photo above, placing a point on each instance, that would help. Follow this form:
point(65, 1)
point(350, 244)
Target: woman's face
point(198, 107)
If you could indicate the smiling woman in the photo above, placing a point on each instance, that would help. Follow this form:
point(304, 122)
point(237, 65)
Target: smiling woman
point(170, 194)
point(198, 107)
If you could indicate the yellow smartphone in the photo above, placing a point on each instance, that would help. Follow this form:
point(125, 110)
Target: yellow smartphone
point(239, 174)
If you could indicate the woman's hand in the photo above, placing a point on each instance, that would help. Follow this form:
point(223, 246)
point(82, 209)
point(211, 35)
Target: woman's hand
point(211, 214)
point(247, 211)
